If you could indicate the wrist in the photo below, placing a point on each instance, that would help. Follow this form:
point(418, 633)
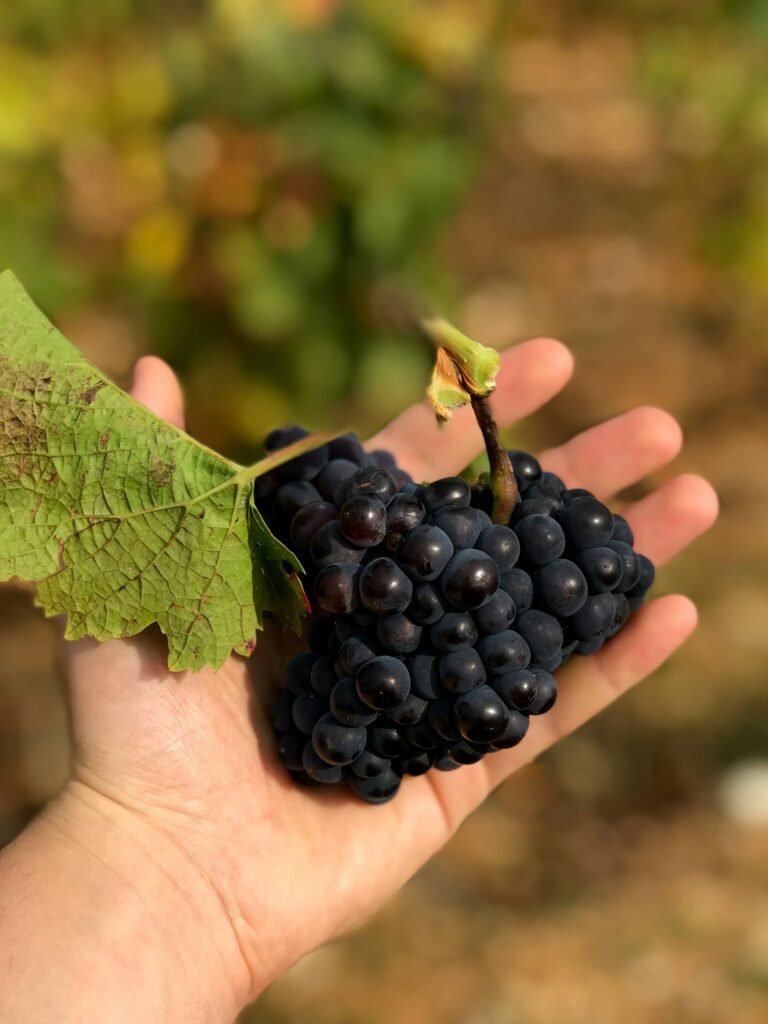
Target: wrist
point(135, 923)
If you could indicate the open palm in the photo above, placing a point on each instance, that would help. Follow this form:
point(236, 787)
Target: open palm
point(192, 755)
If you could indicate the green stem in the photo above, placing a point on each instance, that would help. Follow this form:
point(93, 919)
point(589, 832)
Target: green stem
point(503, 483)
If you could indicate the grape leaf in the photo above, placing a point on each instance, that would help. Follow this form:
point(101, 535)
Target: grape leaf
point(122, 519)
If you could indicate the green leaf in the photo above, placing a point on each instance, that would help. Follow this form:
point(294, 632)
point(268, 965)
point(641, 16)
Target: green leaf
point(122, 519)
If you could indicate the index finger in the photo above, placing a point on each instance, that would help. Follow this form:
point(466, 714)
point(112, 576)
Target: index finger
point(530, 375)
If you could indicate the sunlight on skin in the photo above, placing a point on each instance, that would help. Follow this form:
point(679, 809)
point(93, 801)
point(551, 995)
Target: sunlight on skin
point(193, 755)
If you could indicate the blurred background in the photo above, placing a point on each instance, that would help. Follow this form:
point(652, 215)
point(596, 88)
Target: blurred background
point(262, 191)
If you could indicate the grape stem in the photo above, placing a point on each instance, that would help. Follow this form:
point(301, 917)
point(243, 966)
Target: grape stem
point(503, 483)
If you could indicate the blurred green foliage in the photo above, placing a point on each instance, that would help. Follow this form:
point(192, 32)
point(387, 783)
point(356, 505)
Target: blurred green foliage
point(251, 188)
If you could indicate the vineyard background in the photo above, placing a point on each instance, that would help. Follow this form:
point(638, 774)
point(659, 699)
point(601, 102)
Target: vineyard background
point(263, 192)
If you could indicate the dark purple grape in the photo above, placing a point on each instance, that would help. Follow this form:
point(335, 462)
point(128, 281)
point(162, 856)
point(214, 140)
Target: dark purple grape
point(348, 447)
point(453, 632)
point(517, 689)
point(355, 651)
point(421, 736)
point(370, 482)
point(297, 673)
point(427, 604)
point(424, 553)
point(622, 530)
point(363, 521)
point(461, 671)
point(404, 513)
point(496, 615)
point(384, 587)
point(440, 717)
point(319, 770)
point(383, 683)
point(446, 764)
point(383, 459)
point(541, 539)
point(308, 521)
point(542, 632)
point(620, 615)
point(646, 579)
point(425, 677)
point(546, 692)
point(398, 634)
point(602, 568)
point(282, 437)
point(307, 709)
point(502, 544)
point(331, 546)
point(630, 566)
point(337, 743)
point(480, 715)
point(526, 468)
point(418, 764)
point(587, 523)
point(290, 749)
point(369, 765)
point(594, 618)
point(470, 579)
point(333, 476)
point(347, 706)
point(289, 498)
point(538, 506)
point(377, 790)
point(462, 524)
point(552, 481)
point(463, 753)
point(504, 652)
point(517, 727)
point(323, 676)
point(518, 584)
point(336, 587)
point(450, 491)
point(561, 586)
point(385, 740)
point(587, 647)
point(281, 712)
point(305, 466)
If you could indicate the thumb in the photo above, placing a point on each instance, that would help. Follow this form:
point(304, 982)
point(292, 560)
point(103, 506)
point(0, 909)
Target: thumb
point(156, 386)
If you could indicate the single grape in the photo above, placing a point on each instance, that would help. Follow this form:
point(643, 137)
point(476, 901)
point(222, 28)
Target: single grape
point(383, 683)
point(369, 765)
point(594, 618)
point(330, 546)
point(535, 506)
point(602, 568)
point(290, 749)
point(587, 647)
point(337, 472)
point(336, 587)
point(517, 689)
point(470, 579)
point(645, 580)
point(480, 715)
point(542, 632)
point(337, 743)
point(421, 736)
point(384, 587)
point(496, 615)
point(502, 544)
point(289, 498)
point(308, 521)
point(323, 676)
point(398, 634)
point(363, 521)
point(552, 481)
point(281, 712)
point(518, 584)
point(319, 770)
point(383, 459)
point(546, 692)
point(517, 727)
point(306, 466)
point(526, 468)
point(427, 604)
point(631, 566)
point(541, 539)
point(377, 790)
point(504, 652)
point(385, 740)
point(451, 491)
point(347, 447)
point(587, 523)
point(404, 513)
point(425, 552)
point(462, 524)
point(440, 717)
point(464, 753)
point(425, 676)
point(622, 530)
point(454, 631)
point(297, 673)
point(561, 586)
point(281, 437)
point(620, 615)
point(370, 481)
point(347, 706)
point(307, 709)
point(461, 671)
point(418, 764)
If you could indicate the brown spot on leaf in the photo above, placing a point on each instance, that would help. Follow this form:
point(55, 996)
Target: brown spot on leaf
point(90, 393)
point(104, 440)
point(161, 471)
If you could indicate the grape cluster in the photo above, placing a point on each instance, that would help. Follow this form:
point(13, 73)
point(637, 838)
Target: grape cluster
point(435, 632)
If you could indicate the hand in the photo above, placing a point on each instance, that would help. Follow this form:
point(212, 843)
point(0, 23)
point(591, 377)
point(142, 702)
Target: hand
point(186, 763)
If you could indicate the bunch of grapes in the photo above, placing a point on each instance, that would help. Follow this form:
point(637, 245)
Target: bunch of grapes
point(435, 632)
